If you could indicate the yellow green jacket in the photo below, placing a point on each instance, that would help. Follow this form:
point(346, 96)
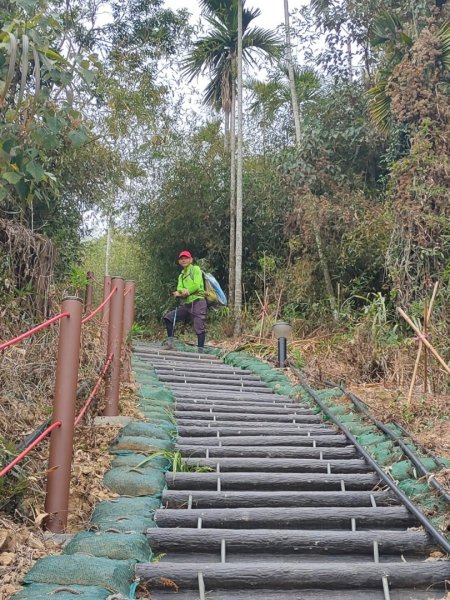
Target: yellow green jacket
point(191, 279)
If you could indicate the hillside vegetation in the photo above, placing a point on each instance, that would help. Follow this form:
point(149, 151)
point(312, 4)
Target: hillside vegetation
point(113, 158)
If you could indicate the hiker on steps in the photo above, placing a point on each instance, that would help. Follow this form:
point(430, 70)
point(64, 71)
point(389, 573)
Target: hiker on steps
point(191, 291)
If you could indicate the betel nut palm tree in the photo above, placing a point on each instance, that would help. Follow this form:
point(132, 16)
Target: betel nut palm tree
point(215, 55)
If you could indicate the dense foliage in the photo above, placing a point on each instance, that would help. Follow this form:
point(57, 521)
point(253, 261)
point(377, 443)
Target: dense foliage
point(94, 117)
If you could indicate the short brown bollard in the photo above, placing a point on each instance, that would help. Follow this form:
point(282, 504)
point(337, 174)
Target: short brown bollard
point(88, 292)
point(128, 320)
point(64, 406)
point(105, 313)
point(112, 386)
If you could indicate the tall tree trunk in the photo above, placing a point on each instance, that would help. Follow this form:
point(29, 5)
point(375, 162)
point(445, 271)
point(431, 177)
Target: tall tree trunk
point(326, 273)
point(296, 111)
point(108, 245)
point(226, 141)
point(239, 200)
point(294, 98)
point(350, 58)
point(232, 257)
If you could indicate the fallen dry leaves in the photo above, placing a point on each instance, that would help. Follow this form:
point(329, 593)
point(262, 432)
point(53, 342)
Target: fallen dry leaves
point(20, 547)
point(22, 542)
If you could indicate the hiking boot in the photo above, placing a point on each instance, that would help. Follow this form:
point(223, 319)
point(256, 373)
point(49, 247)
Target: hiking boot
point(200, 350)
point(169, 344)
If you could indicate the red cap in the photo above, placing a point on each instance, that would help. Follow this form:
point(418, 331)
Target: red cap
point(185, 253)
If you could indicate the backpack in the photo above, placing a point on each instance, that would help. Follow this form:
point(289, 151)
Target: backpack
point(214, 294)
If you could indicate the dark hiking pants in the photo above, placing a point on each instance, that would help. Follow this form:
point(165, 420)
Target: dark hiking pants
point(194, 311)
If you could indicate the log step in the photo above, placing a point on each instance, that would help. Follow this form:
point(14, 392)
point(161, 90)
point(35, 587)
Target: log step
point(196, 388)
point(272, 481)
point(244, 416)
point(267, 440)
point(256, 575)
point(188, 428)
point(289, 465)
point(189, 449)
point(237, 397)
point(232, 382)
point(204, 499)
point(302, 595)
point(262, 408)
point(274, 541)
point(164, 368)
point(174, 354)
point(382, 517)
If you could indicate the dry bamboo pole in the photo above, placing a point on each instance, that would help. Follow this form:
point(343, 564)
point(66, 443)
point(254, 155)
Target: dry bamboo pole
point(425, 350)
point(433, 351)
point(427, 317)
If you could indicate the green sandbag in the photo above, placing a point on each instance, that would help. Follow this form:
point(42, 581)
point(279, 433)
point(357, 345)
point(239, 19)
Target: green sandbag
point(130, 482)
point(283, 389)
point(164, 408)
point(330, 393)
point(134, 428)
point(161, 405)
point(113, 575)
point(126, 507)
point(117, 546)
point(368, 439)
point(413, 488)
point(44, 591)
point(386, 453)
point(163, 412)
point(136, 443)
point(337, 410)
point(156, 393)
point(141, 461)
point(128, 525)
point(158, 418)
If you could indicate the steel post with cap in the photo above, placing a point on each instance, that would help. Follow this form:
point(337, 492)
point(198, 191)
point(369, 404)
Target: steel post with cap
point(89, 291)
point(128, 320)
point(64, 407)
point(105, 312)
point(115, 329)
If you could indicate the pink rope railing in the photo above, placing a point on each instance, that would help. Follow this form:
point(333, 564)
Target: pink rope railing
point(94, 390)
point(22, 455)
point(99, 308)
point(31, 332)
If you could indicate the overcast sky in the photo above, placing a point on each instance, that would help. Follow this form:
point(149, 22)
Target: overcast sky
point(272, 11)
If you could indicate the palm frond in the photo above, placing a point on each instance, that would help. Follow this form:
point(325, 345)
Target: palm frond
point(444, 38)
point(387, 28)
point(215, 53)
point(320, 6)
point(266, 96)
point(260, 42)
point(380, 106)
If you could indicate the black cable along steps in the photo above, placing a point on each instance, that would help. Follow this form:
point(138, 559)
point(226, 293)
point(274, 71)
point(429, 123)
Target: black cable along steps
point(288, 510)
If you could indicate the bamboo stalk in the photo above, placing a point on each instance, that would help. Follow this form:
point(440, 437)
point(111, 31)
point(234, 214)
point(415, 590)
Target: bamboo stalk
point(427, 317)
point(433, 351)
point(425, 350)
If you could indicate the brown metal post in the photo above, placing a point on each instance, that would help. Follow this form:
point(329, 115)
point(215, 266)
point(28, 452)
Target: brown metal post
point(61, 441)
point(128, 320)
point(112, 386)
point(88, 292)
point(105, 313)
